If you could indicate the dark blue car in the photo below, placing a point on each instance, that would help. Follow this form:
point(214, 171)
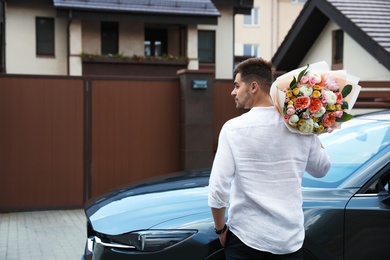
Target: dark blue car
point(347, 213)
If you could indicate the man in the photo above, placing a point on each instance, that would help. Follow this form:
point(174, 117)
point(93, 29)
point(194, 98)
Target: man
point(258, 169)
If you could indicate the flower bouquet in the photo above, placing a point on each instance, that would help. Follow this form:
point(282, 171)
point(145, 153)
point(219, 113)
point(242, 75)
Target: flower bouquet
point(313, 99)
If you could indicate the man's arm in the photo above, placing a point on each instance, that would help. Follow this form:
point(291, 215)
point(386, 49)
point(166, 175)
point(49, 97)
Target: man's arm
point(219, 223)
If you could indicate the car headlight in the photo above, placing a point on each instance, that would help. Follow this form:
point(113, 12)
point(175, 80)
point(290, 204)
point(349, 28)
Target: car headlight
point(146, 240)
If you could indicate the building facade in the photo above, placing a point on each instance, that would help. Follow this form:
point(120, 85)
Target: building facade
point(260, 33)
point(52, 37)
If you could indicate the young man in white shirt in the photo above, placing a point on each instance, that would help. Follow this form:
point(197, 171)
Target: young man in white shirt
point(257, 172)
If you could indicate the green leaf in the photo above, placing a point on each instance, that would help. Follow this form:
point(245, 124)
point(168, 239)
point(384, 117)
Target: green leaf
point(303, 72)
point(293, 83)
point(345, 117)
point(345, 105)
point(346, 90)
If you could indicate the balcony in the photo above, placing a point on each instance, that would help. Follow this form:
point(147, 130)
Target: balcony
point(119, 65)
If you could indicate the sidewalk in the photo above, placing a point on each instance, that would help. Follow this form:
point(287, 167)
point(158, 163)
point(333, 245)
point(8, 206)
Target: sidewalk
point(59, 234)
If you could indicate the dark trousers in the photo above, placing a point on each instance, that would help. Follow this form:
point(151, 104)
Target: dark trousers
point(236, 250)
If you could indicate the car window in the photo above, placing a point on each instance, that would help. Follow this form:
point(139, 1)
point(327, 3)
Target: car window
point(349, 148)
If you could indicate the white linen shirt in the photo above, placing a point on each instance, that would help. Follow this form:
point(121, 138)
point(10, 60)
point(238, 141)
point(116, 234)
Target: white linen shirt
point(257, 172)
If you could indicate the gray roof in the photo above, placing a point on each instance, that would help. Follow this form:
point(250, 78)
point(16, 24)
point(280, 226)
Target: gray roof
point(366, 21)
point(178, 7)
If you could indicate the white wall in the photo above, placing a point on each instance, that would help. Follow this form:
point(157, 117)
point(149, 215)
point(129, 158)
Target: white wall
point(357, 61)
point(91, 37)
point(20, 38)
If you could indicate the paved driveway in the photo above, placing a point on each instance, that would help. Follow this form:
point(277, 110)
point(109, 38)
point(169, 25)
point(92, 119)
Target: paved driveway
point(43, 235)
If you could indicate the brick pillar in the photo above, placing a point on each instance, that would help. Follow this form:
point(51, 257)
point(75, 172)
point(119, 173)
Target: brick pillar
point(196, 122)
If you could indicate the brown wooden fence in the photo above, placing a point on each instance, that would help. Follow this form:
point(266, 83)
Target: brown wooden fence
point(65, 139)
point(41, 142)
point(135, 131)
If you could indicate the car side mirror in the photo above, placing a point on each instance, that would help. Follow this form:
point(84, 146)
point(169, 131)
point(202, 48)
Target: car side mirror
point(387, 199)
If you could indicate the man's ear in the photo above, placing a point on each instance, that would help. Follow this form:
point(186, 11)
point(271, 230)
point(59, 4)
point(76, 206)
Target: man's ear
point(254, 87)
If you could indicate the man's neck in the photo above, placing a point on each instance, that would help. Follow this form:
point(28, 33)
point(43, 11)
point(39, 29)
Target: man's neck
point(263, 101)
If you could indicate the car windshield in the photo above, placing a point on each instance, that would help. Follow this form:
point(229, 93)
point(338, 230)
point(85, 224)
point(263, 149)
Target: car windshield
point(350, 147)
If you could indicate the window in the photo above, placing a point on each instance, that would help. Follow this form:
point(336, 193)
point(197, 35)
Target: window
point(338, 52)
point(298, 1)
point(156, 43)
point(251, 50)
point(206, 46)
point(44, 36)
point(2, 62)
point(253, 18)
point(109, 34)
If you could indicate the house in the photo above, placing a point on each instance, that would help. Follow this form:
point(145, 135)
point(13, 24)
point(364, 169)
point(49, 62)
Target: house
point(62, 37)
point(260, 33)
point(351, 35)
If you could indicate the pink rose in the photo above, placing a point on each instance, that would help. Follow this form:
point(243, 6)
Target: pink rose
point(330, 83)
point(312, 81)
point(338, 114)
point(290, 110)
point(304, 80)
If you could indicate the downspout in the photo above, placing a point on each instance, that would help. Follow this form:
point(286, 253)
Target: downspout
point(2, 43)
point(70, 14)
point(275, 27)
point(272, 27)
point(234, 38)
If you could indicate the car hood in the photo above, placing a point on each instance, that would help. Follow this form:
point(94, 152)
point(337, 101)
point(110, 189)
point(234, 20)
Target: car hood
point(147, 210)
point(147, 205)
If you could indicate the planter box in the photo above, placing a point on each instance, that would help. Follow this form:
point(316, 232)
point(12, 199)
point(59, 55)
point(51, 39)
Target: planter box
point(99, 66)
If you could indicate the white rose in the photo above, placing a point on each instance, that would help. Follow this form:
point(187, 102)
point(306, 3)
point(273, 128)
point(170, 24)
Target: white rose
point(314, 74)
point(307, 126)
point(293, 119)
point(330, 97)
point(320, 112)
point(306, 90)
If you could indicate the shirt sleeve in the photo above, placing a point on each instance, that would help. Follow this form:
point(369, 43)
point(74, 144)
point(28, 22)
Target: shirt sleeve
point(319, 162)
point(222, 172)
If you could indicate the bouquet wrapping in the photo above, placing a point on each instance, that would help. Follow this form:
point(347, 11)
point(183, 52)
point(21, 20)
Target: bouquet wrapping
point(314, 99)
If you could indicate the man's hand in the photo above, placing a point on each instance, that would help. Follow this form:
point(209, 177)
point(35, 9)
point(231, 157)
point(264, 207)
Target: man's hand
point(222, 237)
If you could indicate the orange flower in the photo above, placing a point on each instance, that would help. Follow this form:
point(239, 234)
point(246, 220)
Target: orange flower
point(302, 102)
point(339, 99)
point(315, 105)
point(329, 119)
point(316, 94)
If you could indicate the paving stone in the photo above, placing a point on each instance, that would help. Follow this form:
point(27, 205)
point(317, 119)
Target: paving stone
point(58, 235)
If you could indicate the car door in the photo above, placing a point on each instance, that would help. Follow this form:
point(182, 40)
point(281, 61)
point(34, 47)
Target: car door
point(367, 220)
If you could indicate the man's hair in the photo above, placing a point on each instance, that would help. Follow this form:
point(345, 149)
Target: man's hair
point(255, 69)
